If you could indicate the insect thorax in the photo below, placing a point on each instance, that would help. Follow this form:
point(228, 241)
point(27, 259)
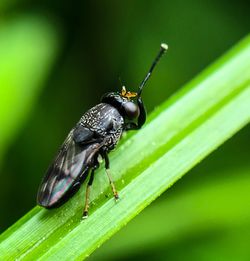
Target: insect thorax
point(106, 122)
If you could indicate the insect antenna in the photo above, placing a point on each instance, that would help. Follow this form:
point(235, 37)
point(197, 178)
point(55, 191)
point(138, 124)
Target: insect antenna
point(163, 49)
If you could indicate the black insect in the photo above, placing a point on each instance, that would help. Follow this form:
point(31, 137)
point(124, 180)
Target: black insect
point(97, 133)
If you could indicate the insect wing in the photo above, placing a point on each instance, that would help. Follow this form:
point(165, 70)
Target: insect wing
point(70, 166)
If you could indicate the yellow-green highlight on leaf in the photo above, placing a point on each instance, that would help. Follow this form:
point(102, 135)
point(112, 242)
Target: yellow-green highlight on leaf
point(28, 46)
point(177, 136)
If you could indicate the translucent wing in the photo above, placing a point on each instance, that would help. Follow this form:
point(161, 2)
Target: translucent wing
point(70, 168)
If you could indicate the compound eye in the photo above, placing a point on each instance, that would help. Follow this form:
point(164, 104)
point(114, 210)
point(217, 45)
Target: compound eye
point(131, 110)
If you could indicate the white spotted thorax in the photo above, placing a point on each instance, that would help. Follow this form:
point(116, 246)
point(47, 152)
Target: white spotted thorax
point(106, 121)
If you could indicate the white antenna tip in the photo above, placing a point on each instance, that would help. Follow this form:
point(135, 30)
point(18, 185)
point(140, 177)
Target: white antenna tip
point(164, 46)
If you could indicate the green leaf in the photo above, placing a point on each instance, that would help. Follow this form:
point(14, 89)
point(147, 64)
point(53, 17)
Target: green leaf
point(212, 213)
point(177, 136)
point(28, 46)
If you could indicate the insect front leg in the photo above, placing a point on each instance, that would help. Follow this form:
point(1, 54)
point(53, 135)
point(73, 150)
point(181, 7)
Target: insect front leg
point(141, 119)
point(106, 158)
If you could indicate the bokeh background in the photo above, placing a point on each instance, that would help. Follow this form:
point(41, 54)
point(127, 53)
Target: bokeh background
point(56, 60)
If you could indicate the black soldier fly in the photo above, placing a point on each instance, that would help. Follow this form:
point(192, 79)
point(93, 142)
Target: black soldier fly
point(97, 133)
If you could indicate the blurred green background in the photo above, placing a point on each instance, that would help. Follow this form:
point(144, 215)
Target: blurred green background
point(56, 60)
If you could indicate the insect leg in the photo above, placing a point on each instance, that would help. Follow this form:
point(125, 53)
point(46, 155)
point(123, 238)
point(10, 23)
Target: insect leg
point(91, 179)
point(105, 156)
